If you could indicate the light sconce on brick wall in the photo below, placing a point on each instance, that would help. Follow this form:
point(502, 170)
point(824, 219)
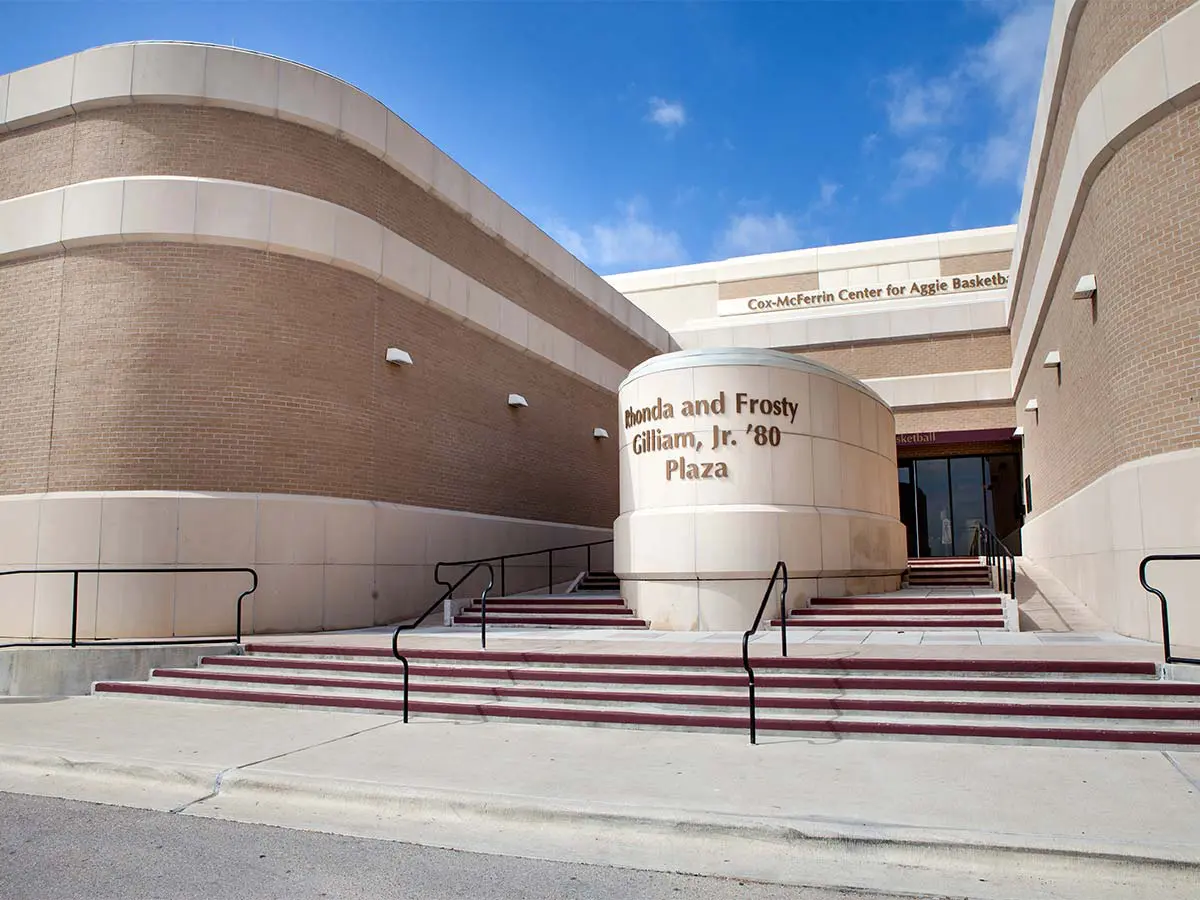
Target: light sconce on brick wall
point(516, 400)
point(1085, 287)
point(1032, 406)
point(399, 357)
point(599, 433)
point(1054, 361)
point(1019, 431)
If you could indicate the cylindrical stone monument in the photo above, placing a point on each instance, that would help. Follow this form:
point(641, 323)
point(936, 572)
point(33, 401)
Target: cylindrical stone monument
point(733, 459)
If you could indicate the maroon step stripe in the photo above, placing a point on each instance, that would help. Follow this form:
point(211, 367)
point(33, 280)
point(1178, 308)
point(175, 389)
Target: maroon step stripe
point(899, 601)
point(554, 610)
point(1075, 666)
point(720, 679)
point(629, 717)
point(833, 704)
point(928, 609)
point(573, 600)
point(891, 623)
point(578, 619)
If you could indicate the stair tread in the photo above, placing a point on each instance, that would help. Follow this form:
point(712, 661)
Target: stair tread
point(795, 722)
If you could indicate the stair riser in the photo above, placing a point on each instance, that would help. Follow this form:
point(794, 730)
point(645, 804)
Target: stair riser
point(843, 665)
point(552, 623)
point(1179, 714)
point(883, 612)
point(684, 679)
point(816, 727)
point(868, 624)
point(832, 688)
point(475, 609)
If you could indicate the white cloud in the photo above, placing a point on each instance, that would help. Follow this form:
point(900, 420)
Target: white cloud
point(998, 79)
point(919, 165)
point(628, 241)
point(748, 233)
point(670, 115)
point(751, 233)
point(915, 105)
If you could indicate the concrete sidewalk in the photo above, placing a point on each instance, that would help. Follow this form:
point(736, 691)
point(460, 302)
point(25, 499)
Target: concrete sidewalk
point(973, 820)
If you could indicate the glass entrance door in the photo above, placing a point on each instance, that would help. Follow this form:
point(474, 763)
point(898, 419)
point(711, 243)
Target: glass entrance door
point(943, 500)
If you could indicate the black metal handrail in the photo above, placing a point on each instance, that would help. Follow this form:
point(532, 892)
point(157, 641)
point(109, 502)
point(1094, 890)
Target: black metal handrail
point(780, 570)
point(158, 570)
point(1162, 600)
point(998, 555)
point(450, 588)
point(549, 551)
point(476, 564)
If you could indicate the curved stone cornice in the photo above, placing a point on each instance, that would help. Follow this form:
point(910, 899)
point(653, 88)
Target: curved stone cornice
point(177, 209)
point(209, 75)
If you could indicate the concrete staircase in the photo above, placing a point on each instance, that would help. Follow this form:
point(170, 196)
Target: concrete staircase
point(904, 611)
point(1123, 703)
point(948, 572)
point(595, 603)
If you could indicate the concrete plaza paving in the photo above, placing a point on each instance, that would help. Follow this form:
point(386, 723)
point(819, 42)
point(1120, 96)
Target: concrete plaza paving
point(971, 820)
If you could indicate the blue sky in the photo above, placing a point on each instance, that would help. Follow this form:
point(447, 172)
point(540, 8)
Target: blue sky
point(650, 134)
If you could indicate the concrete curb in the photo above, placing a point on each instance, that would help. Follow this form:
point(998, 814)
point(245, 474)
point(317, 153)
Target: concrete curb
point(786, 849)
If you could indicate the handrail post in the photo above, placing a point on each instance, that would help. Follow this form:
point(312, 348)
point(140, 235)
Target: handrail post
point(503, 581)
point(783, 618)
point(550, 570)
point(589, 558)
point(75, 606)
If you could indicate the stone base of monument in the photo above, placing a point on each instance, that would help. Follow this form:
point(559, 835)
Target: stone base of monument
point(734, 459)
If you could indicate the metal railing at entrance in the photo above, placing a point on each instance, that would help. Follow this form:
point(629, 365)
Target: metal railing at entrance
point(999, 557)
point(486, 562)
point(1162, 600)
point(76, 641)
point(779, 573)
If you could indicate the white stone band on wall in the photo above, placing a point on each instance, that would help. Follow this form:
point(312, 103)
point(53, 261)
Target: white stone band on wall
point(232, 213)
point(323, 562)
point(984, 386)
point(204, 75)
point(1159, 74)
point(865, 262)
point(965, 314)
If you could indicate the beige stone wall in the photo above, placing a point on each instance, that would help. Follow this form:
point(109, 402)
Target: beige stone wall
point(919, 356)
point(1106, 30)
point(1131, 368)
point(150, 139)
point(186, 367)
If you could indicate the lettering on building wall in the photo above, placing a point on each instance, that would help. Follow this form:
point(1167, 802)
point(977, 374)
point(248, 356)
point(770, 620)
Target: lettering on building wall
point(928, 287)
point(657, 433)
point(918, 437)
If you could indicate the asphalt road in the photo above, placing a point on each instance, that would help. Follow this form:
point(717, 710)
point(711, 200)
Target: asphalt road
point(57, 849)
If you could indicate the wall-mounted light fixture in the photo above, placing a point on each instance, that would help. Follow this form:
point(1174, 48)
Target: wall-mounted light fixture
point(599, 433)
point(1054, 361)
point(1032, 406)
point(1019, 431)
point(399, 357)
point(1085, 287)
point(515, 400)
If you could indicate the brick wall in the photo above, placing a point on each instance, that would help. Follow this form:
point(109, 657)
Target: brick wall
point(781, 284)
point(917, 356)
point(955, 418)
point(976, 262)
point(1106, 31)
point(149, 139)
point(1131, 373)
point(210, 368)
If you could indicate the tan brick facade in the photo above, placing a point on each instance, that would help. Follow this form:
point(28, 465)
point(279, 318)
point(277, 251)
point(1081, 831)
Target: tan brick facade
point(1106, 30)
point(149, 139)
point(919, 356)
point(976, 262)
point(955, 418)
point(751, 287)
point(173, 367)
point(1130, 374)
